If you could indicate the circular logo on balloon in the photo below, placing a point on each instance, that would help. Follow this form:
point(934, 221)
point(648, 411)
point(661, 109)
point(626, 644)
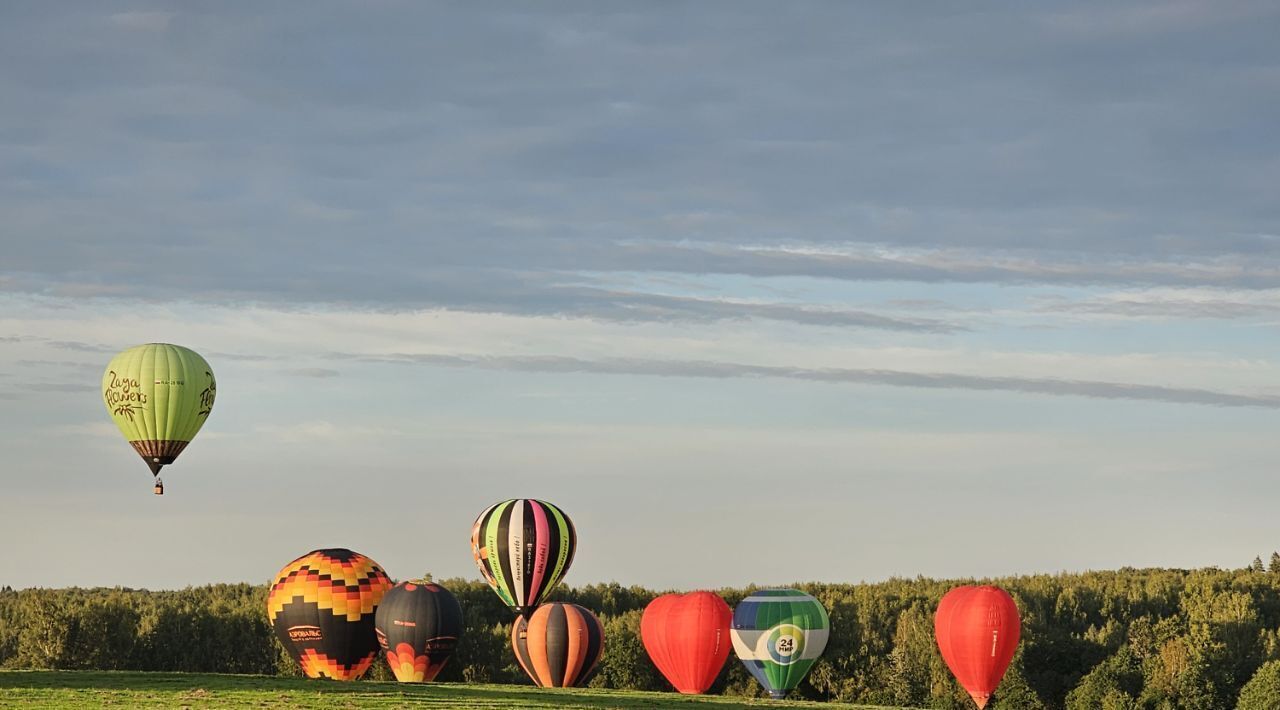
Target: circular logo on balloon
point(784, 644)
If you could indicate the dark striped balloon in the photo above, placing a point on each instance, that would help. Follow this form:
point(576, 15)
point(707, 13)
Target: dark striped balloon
point(523, 548)
point(418, 626)
point(559, 645)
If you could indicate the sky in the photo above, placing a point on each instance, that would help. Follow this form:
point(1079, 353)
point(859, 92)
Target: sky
point(756, 292)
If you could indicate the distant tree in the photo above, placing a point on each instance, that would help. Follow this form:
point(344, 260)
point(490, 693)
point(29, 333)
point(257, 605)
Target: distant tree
point(1274, 567)
point(1262, 692)
point(912, 659)
point(1015, 693)
point(1179, 676)
point(104, 635)
point(1113, 684)
point(1257, 565)
point(47, 626)
point(625, 663)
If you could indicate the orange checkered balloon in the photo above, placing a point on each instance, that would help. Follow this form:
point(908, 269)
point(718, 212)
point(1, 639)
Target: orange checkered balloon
point(322, 607)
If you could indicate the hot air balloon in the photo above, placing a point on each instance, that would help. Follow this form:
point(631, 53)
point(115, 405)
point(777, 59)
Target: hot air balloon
point(687, 637)
point(977, 630)
point(159, 395)
point(558, 645)
point(418, 626)
point(322, 607)
point(778, 634)
point(523, 548)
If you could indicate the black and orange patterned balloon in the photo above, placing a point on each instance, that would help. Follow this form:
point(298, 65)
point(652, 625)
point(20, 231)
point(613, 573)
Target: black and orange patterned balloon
point(559, 645)
point(418, 627)
point(322, 608)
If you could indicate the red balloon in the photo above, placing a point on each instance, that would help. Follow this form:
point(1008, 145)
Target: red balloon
point(687, 636)
point(977, 630)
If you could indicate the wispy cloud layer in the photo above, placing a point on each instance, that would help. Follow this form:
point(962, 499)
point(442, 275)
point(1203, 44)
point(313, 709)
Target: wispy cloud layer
point(892, 378)
point(1186, 304)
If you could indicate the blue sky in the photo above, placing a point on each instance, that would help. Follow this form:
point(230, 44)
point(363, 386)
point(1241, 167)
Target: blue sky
point(756, 292)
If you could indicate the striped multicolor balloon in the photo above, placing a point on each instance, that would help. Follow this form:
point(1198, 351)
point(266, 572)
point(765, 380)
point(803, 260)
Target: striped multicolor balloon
point(778, 634)
point(559, 645)
point(523, 548)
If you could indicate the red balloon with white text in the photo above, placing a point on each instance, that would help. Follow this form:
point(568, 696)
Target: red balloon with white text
point(977, 629)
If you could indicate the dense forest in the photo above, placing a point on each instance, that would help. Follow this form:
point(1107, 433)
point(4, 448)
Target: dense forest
point(1134, 638)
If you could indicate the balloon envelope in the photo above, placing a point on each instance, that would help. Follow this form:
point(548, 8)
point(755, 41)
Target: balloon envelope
point(159, 396)
point(418, 626)
point(977, 629)
point(523, 548)
point(322, 607)
point(559, 645)
point(687, 637)
point(778, 634)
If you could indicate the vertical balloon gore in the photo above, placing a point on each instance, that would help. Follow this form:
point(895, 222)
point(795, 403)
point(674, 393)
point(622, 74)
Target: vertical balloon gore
point(977, 629)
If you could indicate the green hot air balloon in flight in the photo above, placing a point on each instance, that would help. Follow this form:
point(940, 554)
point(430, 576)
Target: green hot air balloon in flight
point(159, 395)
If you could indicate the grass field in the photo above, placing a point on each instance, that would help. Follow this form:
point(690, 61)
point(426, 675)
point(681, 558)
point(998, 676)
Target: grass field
point(72, 689)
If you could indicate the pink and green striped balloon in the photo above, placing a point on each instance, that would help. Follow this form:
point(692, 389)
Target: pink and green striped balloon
point(523, 548)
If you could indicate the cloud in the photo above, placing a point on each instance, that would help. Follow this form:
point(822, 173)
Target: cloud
point(891, 378)
point(631, 306)
point(870, 262)
point(57, 387)
point(1168, 309)
point(143, 21)
point(518, 292)
point(318, 372)
point(244, 357)
point(323, 431)
point(1220, 304)
point(78, 346)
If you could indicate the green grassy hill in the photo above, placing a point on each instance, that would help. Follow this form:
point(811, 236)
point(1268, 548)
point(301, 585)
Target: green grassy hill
point(84, 689)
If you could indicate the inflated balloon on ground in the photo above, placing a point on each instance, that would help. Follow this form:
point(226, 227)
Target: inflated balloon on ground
point(322, 608)
point(687, 638)
point(159, 395)
point(977, 629)
point(523, 548)
point(778, 634)
point(558, 645)
point(418, 626)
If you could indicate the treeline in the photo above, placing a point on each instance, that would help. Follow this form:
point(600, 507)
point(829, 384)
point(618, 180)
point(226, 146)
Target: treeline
point(1151, 639)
